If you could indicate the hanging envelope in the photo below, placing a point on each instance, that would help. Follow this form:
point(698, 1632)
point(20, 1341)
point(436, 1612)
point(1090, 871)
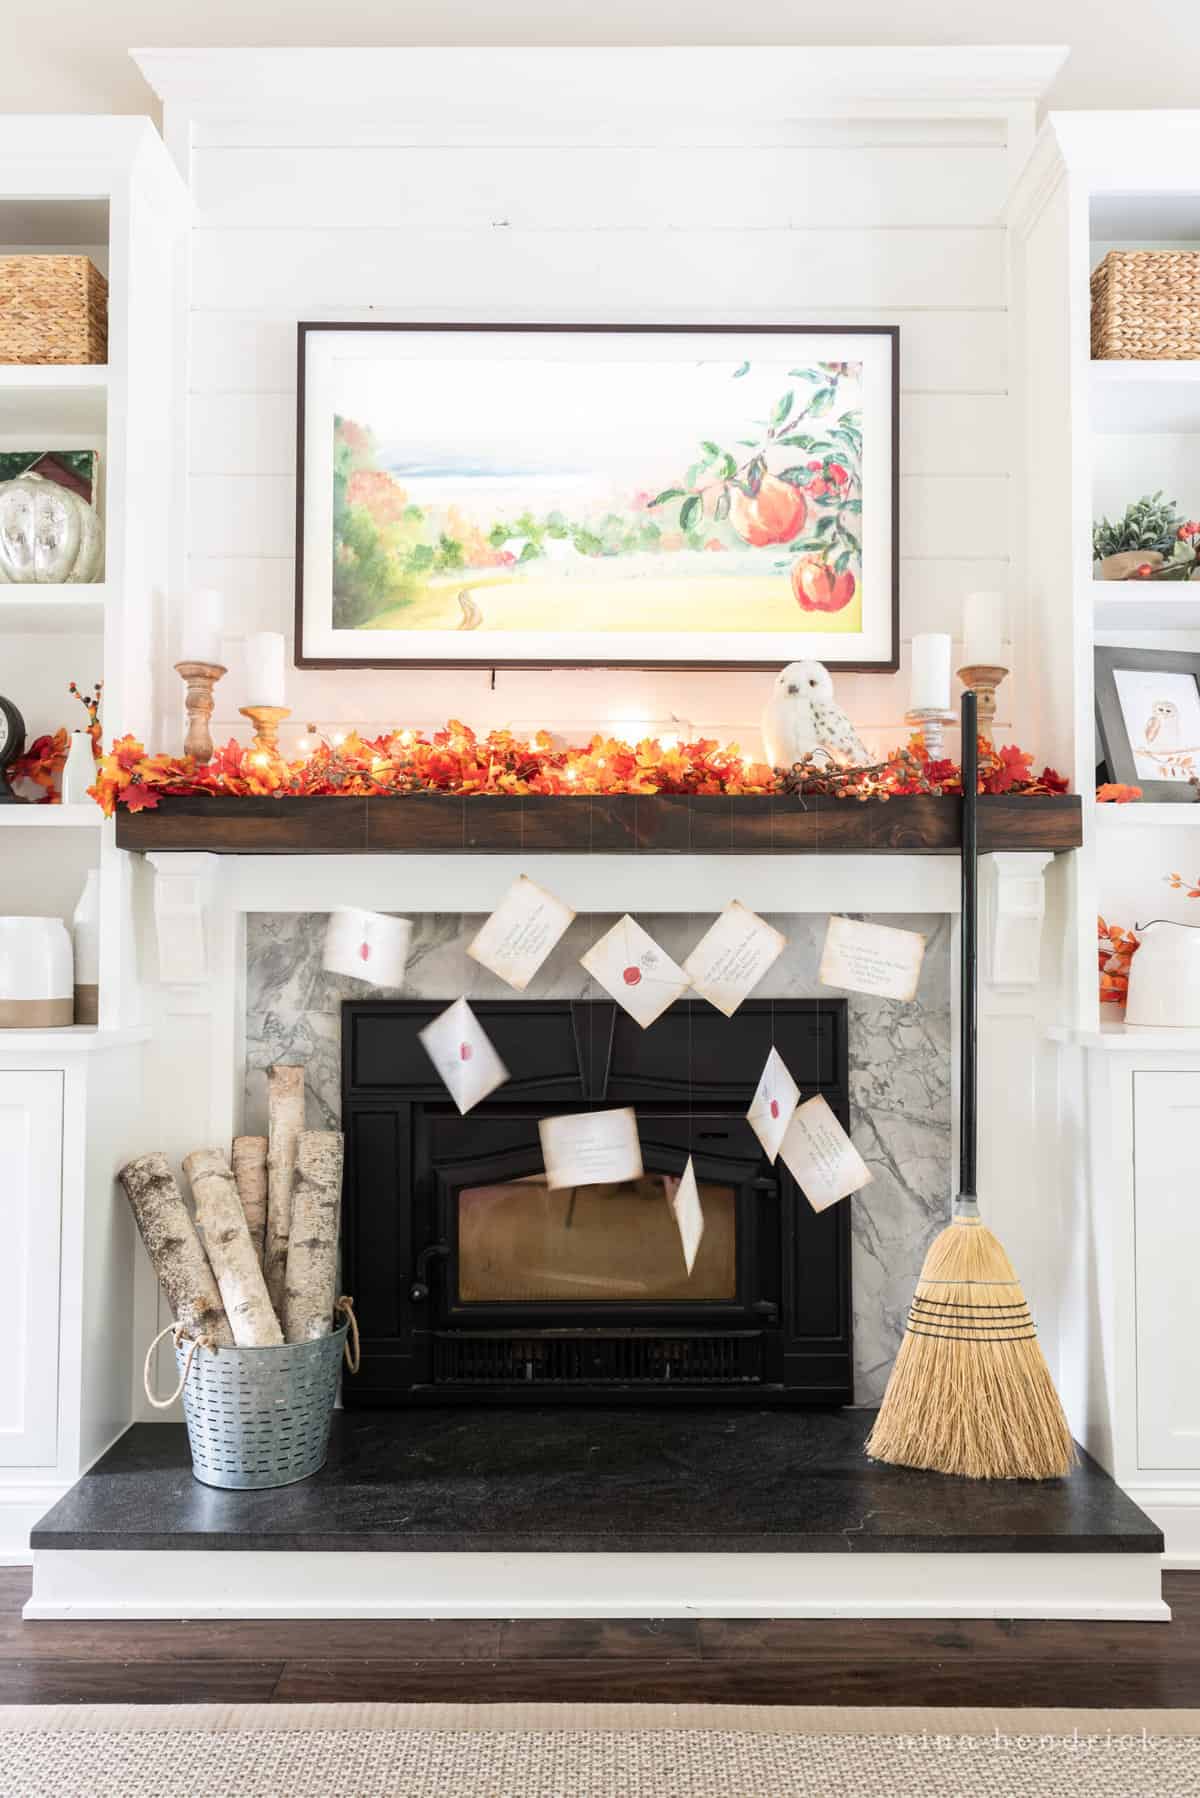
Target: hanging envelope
point(871, 958)
point(631, 967)
point(730, 959)
point(368, 945)
point(773, 1105)
point(820, 1156)
point(520, 933)
point(683, 1196)
point(463, 1055)
point(590, 1148)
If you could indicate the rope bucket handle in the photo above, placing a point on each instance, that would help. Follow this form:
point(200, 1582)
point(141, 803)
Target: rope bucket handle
point(351, 1348)
point(179, 1333)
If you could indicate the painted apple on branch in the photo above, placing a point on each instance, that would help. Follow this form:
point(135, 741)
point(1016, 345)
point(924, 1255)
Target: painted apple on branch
point(819, 588)
point(775, 513)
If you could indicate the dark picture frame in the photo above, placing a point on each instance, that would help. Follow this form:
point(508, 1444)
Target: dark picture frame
point(326, 645)
point(1125, 758)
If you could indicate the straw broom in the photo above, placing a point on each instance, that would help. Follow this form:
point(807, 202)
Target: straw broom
point(970, 1392)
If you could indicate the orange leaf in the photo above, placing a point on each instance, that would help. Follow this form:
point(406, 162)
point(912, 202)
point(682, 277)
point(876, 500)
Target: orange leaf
point(139, 798)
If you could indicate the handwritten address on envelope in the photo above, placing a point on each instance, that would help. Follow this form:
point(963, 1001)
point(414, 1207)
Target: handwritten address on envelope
point(820, 1156)
point(871, 958)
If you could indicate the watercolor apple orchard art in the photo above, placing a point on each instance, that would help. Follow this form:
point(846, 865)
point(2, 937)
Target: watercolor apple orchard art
point(809, 507)
point(710, 510)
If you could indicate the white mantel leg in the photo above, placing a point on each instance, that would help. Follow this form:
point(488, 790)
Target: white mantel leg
point(194, 1075)
point(1018, 1080)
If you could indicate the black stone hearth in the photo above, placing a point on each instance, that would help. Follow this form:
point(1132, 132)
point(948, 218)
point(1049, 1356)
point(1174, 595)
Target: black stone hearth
point(706, 1479)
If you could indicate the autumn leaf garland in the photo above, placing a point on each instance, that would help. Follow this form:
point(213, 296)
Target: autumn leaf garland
point(456, 760)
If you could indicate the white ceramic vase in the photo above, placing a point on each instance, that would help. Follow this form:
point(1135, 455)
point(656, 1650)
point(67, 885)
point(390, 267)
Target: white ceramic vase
point(85, 938)
point(79, 770)
point(36, 974)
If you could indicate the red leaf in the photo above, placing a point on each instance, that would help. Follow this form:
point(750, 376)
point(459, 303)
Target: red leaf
point(139, 798)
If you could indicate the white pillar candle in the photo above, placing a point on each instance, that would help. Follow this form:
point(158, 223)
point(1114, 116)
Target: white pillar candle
point(264, 669)
point(200, 635)
point(983, 631)
point(931, 672)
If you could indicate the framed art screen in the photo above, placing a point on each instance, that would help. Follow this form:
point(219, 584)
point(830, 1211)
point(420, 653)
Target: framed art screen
point(544, 495)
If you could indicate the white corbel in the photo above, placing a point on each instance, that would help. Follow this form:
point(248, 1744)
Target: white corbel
point(1014, 909)
point(185, 887)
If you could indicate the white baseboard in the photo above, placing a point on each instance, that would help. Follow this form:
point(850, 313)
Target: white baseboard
point(20, 1508)
point(127, 1583)
point(1176, 1511)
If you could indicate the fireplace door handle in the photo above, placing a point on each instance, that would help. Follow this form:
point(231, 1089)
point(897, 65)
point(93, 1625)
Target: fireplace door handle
point(418, 1292)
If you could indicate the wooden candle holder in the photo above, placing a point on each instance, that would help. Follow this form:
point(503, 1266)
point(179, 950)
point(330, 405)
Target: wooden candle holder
point(266, 720)
point(201, 678)
point(982, 679)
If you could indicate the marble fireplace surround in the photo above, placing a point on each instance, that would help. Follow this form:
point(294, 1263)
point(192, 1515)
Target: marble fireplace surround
point(239, 984)
point(900, 1066)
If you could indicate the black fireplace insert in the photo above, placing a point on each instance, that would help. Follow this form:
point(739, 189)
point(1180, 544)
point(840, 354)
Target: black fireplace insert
point(474, 1281)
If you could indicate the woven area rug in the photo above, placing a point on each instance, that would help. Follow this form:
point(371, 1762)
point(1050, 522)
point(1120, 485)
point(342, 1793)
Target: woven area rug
point(591, 1751)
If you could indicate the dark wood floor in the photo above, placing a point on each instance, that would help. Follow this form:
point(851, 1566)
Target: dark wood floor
point(675, 1660)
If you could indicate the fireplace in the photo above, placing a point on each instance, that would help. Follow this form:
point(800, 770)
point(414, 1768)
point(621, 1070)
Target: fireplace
point(475, 1282)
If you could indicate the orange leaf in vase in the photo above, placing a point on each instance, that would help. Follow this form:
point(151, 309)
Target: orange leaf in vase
point(1117, 792)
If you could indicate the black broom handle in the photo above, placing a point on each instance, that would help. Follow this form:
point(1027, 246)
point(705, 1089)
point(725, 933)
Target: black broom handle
point(967, 997)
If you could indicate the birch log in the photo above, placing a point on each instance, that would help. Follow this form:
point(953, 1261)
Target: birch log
point(222, 1226)
point(312, 1250)
point(285, 1121)
point(174, 1249)
point(250, 1172)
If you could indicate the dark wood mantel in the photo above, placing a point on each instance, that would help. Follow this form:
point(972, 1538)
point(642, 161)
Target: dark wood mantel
point(438, 824)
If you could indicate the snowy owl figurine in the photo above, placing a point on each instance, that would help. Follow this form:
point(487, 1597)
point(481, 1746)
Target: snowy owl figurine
point(802, 719)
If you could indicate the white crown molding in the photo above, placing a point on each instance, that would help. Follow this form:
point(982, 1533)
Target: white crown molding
point(72, 154)
point(1037, 182)
point(777, 81)
point(1107, 152)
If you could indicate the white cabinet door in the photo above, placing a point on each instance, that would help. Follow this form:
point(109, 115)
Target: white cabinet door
point(1166, 1156)
point(31, 1129)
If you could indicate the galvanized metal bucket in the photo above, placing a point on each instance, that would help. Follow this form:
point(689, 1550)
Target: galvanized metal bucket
point(259, 1417)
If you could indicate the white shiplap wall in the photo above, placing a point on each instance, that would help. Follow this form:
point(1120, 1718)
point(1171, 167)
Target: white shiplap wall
point(322, 215)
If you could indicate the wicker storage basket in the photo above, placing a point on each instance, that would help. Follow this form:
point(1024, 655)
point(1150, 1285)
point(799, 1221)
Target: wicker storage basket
point(52, 309)
point(1146, 306)
point(260, 1416)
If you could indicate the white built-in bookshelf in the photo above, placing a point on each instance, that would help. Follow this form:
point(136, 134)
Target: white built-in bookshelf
point(105, 188)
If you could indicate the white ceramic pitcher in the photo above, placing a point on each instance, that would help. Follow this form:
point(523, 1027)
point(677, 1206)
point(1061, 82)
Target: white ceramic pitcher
point(1164, 976)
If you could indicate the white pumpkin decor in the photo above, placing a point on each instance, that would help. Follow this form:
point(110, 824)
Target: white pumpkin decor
point(48, 534)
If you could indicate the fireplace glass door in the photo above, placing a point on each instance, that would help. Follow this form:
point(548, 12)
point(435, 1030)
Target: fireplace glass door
point(522, 1242)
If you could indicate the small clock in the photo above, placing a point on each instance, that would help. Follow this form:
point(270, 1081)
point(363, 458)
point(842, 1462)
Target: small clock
point(12, 743)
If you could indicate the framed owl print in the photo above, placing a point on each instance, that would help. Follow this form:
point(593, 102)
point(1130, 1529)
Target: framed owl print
point(1148, 719)
point(597, 495)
